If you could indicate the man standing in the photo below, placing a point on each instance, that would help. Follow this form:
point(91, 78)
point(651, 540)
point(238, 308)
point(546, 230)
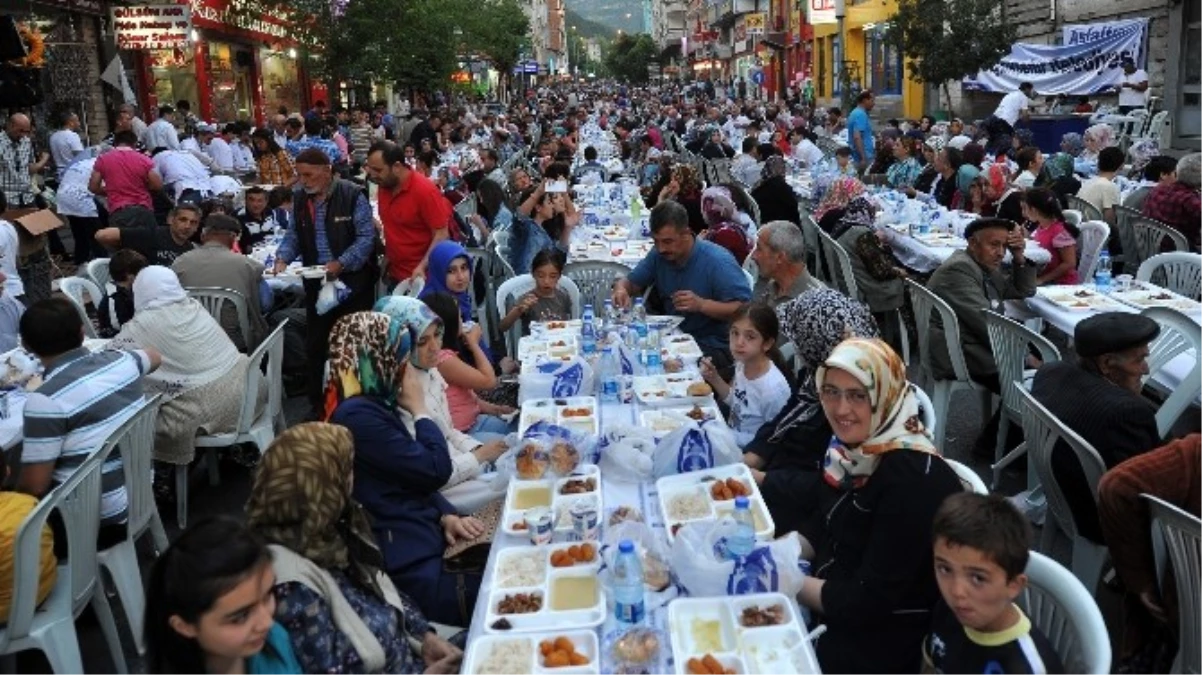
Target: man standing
point(333, 228)
point(184, 177)
point(126, 177)
point(17, 165)
point(139, 127)
point(1014, 106)
point(698, 280)
point(65, 144)
point(859, 131)
point(1133, 90)
point(214, 264)
point(414, 212)
point(161, 132)
point(780, 256)
point(426, 129)
point(361, 137)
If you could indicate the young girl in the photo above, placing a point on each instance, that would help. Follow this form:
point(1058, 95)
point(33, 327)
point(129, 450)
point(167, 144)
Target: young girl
point(760, 388)
point(210, 605)
point(547, 302)
point(1054, 235)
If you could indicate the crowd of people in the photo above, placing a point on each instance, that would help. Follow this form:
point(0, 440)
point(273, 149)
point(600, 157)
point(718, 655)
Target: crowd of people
point(368, 525)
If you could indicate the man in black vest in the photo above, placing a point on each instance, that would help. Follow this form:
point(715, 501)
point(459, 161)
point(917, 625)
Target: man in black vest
point(334, 229)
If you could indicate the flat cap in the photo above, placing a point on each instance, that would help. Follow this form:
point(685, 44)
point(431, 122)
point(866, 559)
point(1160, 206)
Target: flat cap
point(1112, 332)
point(986, 223)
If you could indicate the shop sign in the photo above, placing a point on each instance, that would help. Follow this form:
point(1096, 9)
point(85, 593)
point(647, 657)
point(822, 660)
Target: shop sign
point(754, 23)
point(820, 11)
point(218, 14)
point(152, 26)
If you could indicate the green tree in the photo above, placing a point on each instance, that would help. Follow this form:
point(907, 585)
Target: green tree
point(948, 40)
point(629, 56)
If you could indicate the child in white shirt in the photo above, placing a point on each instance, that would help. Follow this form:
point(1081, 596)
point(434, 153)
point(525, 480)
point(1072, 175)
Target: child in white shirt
point(760, 387)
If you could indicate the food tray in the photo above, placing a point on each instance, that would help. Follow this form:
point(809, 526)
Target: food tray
point(940, 240)
point(1079, 299)
point(585, 642)
point(663, 421)
point(670, 389)
point(541, 329)
point(680, 345)
point(1143, 298)
point(669, 487)
point(780, 648)
point(560, 503)
point(664, 323)
point(553, 409)
point(590, 615)
point(557, 344)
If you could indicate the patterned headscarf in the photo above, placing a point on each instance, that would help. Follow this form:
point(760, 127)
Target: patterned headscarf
point(841, 191)
point(896, 422)
point(441, 256)
point(301, 500)
point(686, 177)
point(936, 143)
point(1072, 143)
point(1141, 152)
point(717, 205)
point(859, 211)
point(816, 321)
point(1102, 136)
point(773, 166)
point(998, 178)
point(365, 359)
point(408, 318)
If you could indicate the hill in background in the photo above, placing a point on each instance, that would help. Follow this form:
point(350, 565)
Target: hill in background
point(609, 14)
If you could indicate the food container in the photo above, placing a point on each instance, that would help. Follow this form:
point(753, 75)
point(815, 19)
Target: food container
point(1145, 297)
point(670, 390)
point(700, 626)
point(701, 482)
point(681, 345)
point(585, 520)
point(572, 597)
point(482, 648)
point(663, 421)
point(576, 413)
point(553, 494)
point(1079, 299)
point(539, 525)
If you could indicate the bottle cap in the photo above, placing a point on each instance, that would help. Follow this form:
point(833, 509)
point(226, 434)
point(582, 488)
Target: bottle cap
point(742, 503)
point(626, 546)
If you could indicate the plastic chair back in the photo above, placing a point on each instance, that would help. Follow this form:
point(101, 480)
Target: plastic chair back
point(1158, 127)
point(1178, 271)
point(1094, 235)
point(1126, 235)
point(214, 301)
point(930, 418)
point(261, 361)
point(513, 289)
point(968, 478)
point(98, 272)
point(838, 262)
point(809, 233)
point(1011, 342)
point(409, 288)
point(1087, 210)
point(1150, 234)
point(1178, 335)
point(135, 437)
point(1072, 216)
point(1067, 615)
point(926, 305)
point(594, 280)
point(78, 290)
point(1180, 534)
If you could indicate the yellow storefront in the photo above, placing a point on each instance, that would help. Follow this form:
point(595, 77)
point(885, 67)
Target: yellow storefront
point(872, 61)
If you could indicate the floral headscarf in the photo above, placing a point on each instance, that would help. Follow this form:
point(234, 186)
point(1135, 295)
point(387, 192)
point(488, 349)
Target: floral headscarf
point(773, 166)
point(365, 359)
point(717, 205)
point(896, 422)
point(301, 500)
point(686, 177)
point(1141, 152)
point(816, 321)
point(441, 256)
point(841, 191)
point(408, 318)
point(998, 178)
point(1072, 143)
point(859, 211)
point(1098, 137)
point(936, 143)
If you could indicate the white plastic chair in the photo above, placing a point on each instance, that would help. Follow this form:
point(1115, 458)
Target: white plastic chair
point(98, 272)
point(511, 290)
point(1158, 127)
point(1149, 234)
point(1180, 534)
point(926, 304)
point(1011, 342)
point(51, 627)
point(1043, 431)
point(410, 288)
point(136, 439)
point(1087, 210)
point(1094, 235)
point(254, 425)
point(968, 478)
point(1067, 615)
point(1178, 271)
point(809, 234)
point(214, 301)
point(78, 290)
point(595, 279)
point(1072, 216)
point(929, 419)
point(1178, 335)
point(838, 263)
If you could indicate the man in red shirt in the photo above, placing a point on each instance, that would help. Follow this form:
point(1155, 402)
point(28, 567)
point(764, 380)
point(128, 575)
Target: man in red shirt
point(126, 177)
point(415, 213)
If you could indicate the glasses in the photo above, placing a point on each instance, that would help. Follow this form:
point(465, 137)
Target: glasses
point(831, 395)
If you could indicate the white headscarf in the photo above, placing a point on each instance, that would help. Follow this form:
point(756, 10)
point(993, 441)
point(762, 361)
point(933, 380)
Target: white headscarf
point(157, 286)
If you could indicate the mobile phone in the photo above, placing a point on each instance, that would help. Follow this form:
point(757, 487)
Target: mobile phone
point(558, 186)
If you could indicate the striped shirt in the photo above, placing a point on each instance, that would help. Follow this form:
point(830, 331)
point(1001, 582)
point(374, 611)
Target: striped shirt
point(83, 399)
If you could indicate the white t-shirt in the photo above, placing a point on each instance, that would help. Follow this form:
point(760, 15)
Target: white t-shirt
point(222, 153)
point(1012, 106)
point(1103, 193)
point(807, 152)
point(182, 171)
point(13, 285)
point(754, 403)
point(1131, 96)
point(64, 146)
point(73, 197)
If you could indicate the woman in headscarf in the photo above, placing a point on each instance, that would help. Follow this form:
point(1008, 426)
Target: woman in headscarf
point(1096, 139)
point(926, 178)
point(879, 280)
point(203, 375)
point(997, 197)
point(722, 222)
point(773, 195)
point(342, 612)
point(787, 453)
point(398, 472)
point(870, 515)
point(450, 272)
point(973, 156)
point(1141, 152)
point(885, 157)
point(684, 187)
point(841, 191)
point(1060, 165)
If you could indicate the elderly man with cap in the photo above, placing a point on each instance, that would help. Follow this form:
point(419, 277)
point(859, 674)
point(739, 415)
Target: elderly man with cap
point(1099, 398)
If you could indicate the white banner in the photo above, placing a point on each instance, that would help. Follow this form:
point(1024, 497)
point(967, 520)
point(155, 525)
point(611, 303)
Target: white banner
point(1081, 69)
point(820, 11)
point(152, 26)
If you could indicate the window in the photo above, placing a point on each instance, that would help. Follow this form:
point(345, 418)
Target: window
point(884, 65)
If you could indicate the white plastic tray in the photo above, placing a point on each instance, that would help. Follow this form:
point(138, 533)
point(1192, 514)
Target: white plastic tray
point(669, 389)
point(1143, 297)
point(552, 409)
point(663, 421)
point(782, 648)
point(1079, 299)
point(547, 619)
point(559, 503)
point(669, 487)
point(585, 641)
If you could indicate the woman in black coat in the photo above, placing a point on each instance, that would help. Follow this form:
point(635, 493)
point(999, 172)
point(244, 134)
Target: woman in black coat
point(774, 196)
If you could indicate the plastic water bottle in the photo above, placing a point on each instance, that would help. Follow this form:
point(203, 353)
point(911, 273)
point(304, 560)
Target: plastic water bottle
point(588, 332)
point(1101, 276)
point(628, 585)
point(639, 320)
point(609, 376)
point(742, 541)
point(654, 360)
point(611, 315)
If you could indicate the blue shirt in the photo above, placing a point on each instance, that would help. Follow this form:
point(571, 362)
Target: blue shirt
point(276, 656)
point(354, 257)
point(711, 272)
point(858, 121)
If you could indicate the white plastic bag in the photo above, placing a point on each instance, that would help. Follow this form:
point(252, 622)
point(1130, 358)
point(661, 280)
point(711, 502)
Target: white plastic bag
point(332, 294)
point(625, 454)
point(652, 552)
point(695, 447)
point(557, 380)
point(703, 571)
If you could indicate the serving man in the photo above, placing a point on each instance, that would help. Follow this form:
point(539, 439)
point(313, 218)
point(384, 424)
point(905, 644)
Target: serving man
point(1014, 106)
point(1133, 90)
point(414, 212)
point(698, 280)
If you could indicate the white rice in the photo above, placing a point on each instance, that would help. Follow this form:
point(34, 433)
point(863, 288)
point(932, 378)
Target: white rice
point(689, 505)
point(508, 658)
point(527, 569)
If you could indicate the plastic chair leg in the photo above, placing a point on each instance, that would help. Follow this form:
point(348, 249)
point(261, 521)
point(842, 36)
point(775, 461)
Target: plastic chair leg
point(181, 495)
point(158, 533)
point(108, 626)
point(121, 561)
point(60, 644)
